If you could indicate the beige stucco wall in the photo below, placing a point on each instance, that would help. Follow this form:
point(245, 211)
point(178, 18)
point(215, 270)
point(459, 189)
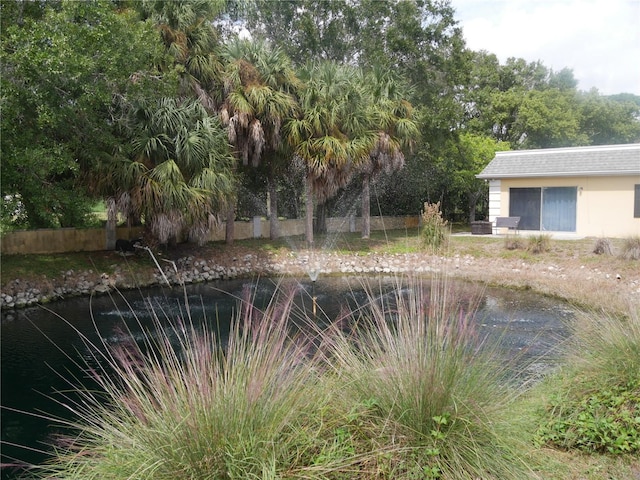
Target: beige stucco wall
point(604, 204)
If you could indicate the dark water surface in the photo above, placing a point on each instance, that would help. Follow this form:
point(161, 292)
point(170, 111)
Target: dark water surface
point(39, 349)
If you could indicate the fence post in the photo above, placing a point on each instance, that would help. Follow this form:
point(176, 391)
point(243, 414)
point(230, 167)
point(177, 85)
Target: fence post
point(257, 227)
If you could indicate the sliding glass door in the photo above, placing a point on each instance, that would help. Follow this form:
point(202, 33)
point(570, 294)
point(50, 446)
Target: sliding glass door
point(559, 209)
point(548, 209)
point(525, 203)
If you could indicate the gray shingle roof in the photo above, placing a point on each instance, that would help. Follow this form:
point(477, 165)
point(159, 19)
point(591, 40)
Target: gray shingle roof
point(565, 162)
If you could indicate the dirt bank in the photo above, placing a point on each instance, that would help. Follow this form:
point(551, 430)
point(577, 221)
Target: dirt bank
point(569, 270)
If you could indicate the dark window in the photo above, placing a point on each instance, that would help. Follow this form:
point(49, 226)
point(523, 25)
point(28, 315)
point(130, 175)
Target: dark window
point(636, 204)
point(525, 203)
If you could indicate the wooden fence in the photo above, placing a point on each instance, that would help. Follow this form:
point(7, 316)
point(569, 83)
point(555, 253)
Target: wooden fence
point(61, 240)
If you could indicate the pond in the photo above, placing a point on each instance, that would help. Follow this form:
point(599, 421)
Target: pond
point(39, 349)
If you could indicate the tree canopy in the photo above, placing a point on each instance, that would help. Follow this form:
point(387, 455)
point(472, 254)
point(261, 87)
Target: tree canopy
point(348, 89)
point(64, 71)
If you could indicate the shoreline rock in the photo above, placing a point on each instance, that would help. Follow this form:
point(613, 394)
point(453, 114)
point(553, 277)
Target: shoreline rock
point(547, 279)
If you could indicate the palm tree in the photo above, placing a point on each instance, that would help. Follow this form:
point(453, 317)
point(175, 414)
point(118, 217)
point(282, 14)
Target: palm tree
point(178, 175)
point(191, 40)
point(259, 83)
point(330, 133)
point(392, 118)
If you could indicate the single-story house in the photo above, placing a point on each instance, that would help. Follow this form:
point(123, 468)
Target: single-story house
point(586, 191)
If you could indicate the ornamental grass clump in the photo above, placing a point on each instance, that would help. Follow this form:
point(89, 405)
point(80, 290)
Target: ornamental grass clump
point(434, 390)
point(594, 402)
point(435, 229)
point(186, 403)
point(631, 248)
point(539, 243)
point(603, 246)
point(401, 386)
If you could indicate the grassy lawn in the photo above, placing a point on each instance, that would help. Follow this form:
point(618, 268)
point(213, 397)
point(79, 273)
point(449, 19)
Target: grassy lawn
point(34, 267)
point(404, 241)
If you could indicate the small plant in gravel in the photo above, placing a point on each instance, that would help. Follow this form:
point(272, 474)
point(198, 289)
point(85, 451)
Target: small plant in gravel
point(513, 242)
point(435, 229)
point(631, 248)
point(603, 247)
point(539, 243)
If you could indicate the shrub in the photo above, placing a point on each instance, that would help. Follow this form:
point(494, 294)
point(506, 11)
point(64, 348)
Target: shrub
point(513, 242)
point(434, 228)
point(595, 401)
point(183, 405)
point(435, 392)
point(603, 247)
point(401, 388)
point(631, 248)
point(539, 243)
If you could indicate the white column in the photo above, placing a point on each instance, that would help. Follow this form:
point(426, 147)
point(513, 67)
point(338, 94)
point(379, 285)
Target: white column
point(494, 199)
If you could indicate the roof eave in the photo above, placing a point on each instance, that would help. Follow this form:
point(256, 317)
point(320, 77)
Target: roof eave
point(557, 174)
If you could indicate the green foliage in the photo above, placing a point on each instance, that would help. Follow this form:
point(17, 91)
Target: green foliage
point(68, 68)
point(610, 120)
point(539, 243)
point(606, 421)
point(178, 172)
point(530, 106)
point(550, 118)
point(594, 401)
point(191, 42)
point(434, 230)
point(456, 165)
point(64, 72)
point(332, 130)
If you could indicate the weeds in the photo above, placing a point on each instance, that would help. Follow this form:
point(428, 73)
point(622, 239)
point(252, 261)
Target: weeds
point(631, 248)
point(603, 247)
point(539, 243)
point(513, 242)
point(594, 402)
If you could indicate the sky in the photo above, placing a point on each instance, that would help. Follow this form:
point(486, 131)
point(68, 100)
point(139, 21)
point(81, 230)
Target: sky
point(598, 39)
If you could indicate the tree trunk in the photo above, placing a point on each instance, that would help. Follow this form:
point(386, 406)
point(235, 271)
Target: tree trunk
point(473, 202)
point(321, 218)
point(230, 226)
point(274, 231)
point(366, 207)
point(112, 217)
point(308, 226)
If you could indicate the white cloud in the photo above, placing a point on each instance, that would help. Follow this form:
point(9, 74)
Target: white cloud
point(598, 39)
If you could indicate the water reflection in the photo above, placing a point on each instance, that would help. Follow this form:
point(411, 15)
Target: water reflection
point(40, 348)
